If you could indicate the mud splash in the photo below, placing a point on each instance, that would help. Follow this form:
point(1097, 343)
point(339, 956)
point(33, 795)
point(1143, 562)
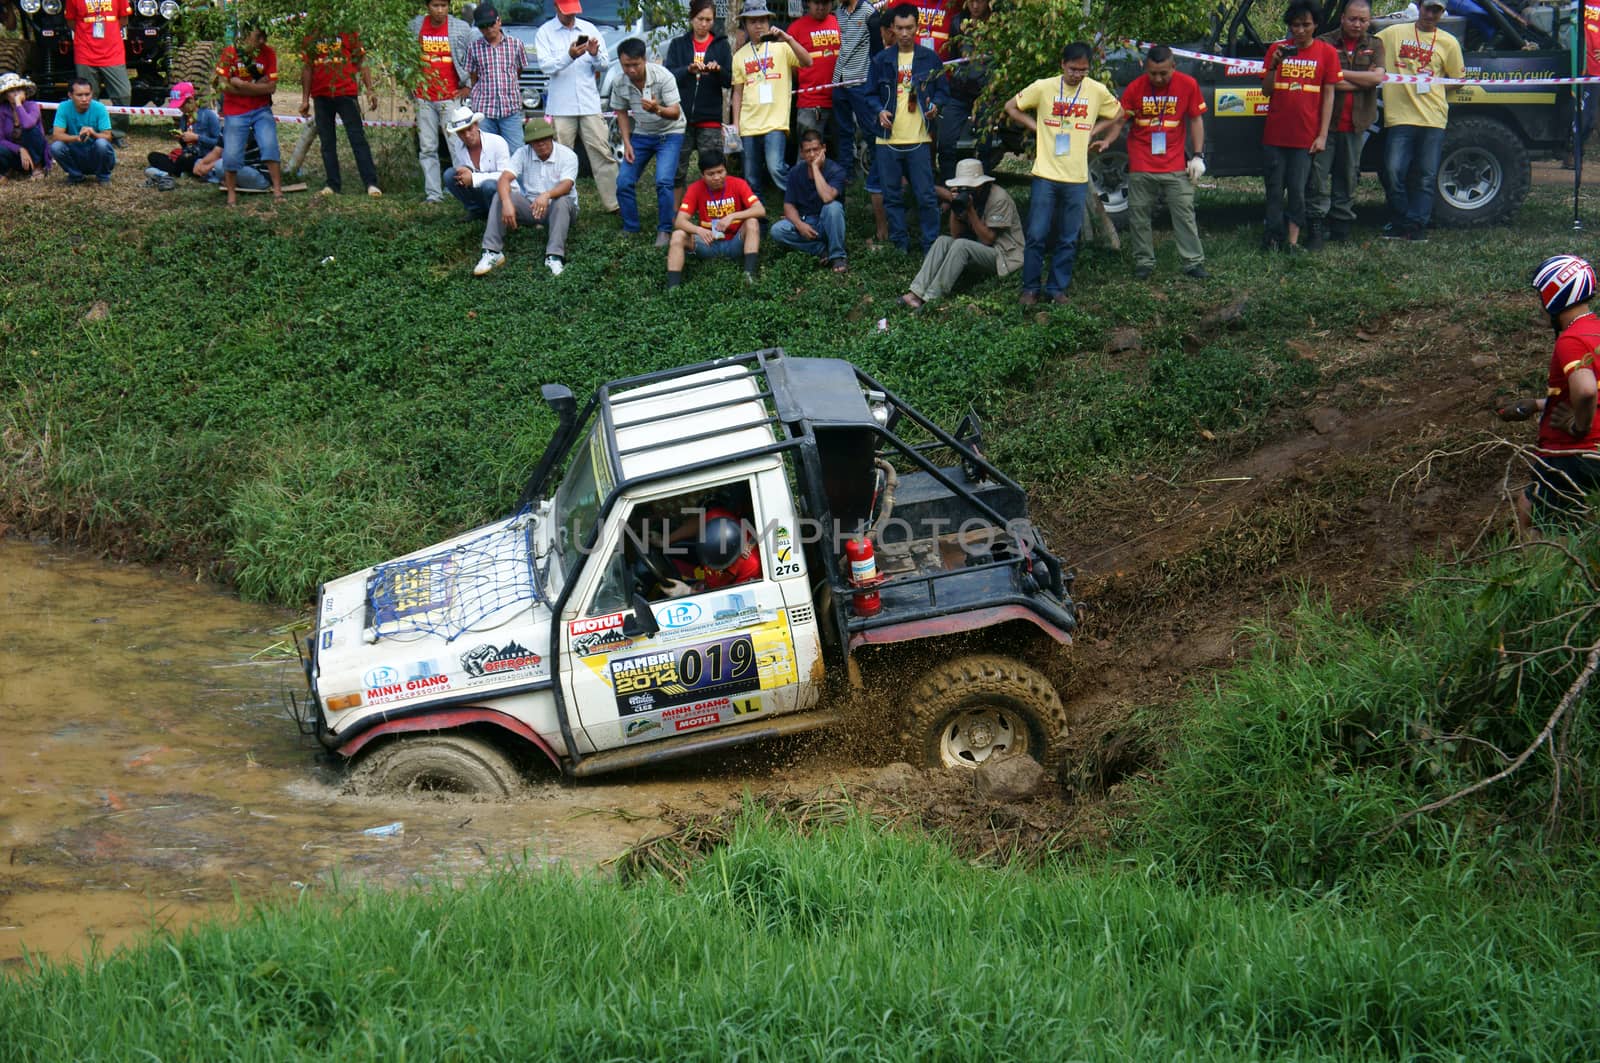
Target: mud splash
point(149, 774)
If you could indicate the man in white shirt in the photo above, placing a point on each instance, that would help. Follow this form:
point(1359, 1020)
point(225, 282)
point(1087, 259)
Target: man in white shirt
point(540, 188)
point(573, 55)
point(479, 159)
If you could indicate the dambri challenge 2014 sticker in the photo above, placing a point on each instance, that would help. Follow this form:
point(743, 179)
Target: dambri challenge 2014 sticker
point(649, 681)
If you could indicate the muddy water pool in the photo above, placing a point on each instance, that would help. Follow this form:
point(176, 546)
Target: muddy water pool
point(149, 772)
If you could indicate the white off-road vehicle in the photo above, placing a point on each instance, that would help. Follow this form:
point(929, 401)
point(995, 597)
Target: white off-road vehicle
point(600, 627)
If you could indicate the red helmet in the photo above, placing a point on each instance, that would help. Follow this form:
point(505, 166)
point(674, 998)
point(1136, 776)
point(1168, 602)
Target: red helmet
point(1563, 281)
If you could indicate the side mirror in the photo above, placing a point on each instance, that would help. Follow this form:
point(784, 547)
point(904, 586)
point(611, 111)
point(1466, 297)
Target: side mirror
point(642, 622)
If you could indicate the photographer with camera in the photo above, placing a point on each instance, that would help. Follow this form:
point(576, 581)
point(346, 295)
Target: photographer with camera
point(80, 140)
point(1298, 80)
point(986, 237)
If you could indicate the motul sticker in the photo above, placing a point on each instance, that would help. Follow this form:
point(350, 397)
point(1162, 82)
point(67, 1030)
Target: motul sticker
point(594, 624)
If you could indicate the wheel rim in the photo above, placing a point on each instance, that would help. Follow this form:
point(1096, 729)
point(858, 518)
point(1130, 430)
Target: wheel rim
point(1470, 178)
point(438, 781)
point(973, 736)
point(1108, 176)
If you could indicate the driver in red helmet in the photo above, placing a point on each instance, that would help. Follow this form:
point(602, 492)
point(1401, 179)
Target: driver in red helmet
point(724, 554)
point(1566, 466)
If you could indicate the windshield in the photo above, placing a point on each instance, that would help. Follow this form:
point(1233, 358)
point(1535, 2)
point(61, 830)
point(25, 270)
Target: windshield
point(577, 501)
point(537, 12)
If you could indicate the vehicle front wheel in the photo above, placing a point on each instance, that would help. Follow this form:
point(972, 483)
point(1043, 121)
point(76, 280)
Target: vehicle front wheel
point(970, 709)
point(1108, 179)
point(420, 765)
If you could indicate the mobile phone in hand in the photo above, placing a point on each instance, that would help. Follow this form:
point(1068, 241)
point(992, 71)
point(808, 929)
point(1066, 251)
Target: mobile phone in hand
point(583, 38)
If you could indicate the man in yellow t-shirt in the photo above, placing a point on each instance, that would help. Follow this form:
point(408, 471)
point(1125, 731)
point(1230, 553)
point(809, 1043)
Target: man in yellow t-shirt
point(763, 80)
point(907, 85)
point(1414, 118)
point(1070, 116)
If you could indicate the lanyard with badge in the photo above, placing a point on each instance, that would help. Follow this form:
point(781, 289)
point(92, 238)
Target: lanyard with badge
point(1158, 138)
point(1425, 64)
point(100, 25)
point(1064, 140)
point(763, 62)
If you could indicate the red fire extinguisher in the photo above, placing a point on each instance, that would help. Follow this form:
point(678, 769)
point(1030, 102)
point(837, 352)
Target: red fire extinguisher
point(863, 574)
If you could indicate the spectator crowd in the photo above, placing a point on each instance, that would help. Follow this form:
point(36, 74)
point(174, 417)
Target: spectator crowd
point(900, 75)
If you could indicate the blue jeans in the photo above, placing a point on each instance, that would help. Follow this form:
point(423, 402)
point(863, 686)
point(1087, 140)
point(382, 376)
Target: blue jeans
point(508, 127)
point(830, 224)
point(915, 164)
point(853, 109)
point(236, 132)
point(93, 159)
point(1054, 207)
point(1408, 148)
point(664, 148)
point(763, 157)
point(247, 179)
point(476, 200)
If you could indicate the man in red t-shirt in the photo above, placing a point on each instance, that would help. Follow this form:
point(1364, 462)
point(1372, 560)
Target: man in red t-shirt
point(1298, 81)
point(1588, 94)
point(248, 73)
point(97, 52)
point(1162, 110)
point(444, 40)
point(1335, 171)
point(818, 30)
point(729, 221)
point(1568, 453)
point(329, 67)
point(933, 23)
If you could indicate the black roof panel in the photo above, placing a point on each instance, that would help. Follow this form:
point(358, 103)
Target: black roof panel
point(823, 391)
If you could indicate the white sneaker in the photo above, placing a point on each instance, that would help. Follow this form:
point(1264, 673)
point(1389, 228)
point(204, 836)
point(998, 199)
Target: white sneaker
point(489, 261)
point(554, 265)
point(374, 191)
point(326, 191)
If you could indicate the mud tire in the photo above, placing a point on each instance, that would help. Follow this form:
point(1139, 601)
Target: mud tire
point(961, 699)
point(1484, 174)
point(422, 765)
point(195, 62)
point(14, 56)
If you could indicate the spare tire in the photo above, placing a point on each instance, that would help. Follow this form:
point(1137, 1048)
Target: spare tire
point(1484, 174)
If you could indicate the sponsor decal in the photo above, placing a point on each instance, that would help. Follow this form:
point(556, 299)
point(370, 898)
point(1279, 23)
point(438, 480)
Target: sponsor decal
point(601, 643)
point(488, 660)
point(1241, 103)
point(411, 688)
point(696, 708)
point(705, 720)
point(327, 639)
point(639, 728)
point(700, 671)
point(383, 675)
point(677, 615)
point(595, 624)
point(736, 611)
point(746, 706)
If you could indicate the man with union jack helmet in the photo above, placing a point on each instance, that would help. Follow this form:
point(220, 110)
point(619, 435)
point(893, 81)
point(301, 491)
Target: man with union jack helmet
point(1566, 463)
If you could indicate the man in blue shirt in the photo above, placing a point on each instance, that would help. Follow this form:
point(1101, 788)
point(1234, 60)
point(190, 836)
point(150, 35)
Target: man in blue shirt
point(81, 137)
point(813, 205)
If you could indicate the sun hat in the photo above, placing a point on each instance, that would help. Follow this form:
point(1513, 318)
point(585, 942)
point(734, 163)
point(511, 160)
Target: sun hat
point(969, 174)
point(539, 129)
point(755, 9)
point(11, 80)
point(461, 118)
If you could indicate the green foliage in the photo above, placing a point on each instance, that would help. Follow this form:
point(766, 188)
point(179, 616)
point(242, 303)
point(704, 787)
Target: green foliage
point(1298, 769)
point(846, 944)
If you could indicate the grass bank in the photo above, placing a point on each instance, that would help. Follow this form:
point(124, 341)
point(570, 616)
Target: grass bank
point(846, 944)
point(181, 383)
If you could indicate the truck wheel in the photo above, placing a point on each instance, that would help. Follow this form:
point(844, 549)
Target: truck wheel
point(1108, 179)
point(970, 709)
point(194, 63)
point(1484, 174)
point(14, 55)
point(417, 765)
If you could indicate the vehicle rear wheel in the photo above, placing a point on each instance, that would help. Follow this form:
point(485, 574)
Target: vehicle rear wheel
point(973, 708)
point(420, 765)
point(1484, 174)
point(14, 55)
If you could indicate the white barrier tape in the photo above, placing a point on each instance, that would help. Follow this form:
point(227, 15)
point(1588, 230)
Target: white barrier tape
point(286, 119)
point(1238, 67)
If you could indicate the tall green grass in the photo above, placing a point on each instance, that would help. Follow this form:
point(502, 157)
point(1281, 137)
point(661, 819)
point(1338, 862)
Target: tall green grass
point(849, 944)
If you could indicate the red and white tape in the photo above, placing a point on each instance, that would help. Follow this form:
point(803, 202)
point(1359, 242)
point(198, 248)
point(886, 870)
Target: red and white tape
point(173, 112)
point(1238, 67)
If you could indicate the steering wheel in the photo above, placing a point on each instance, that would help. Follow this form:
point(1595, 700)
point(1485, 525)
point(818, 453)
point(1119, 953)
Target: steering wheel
point(653, 569)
